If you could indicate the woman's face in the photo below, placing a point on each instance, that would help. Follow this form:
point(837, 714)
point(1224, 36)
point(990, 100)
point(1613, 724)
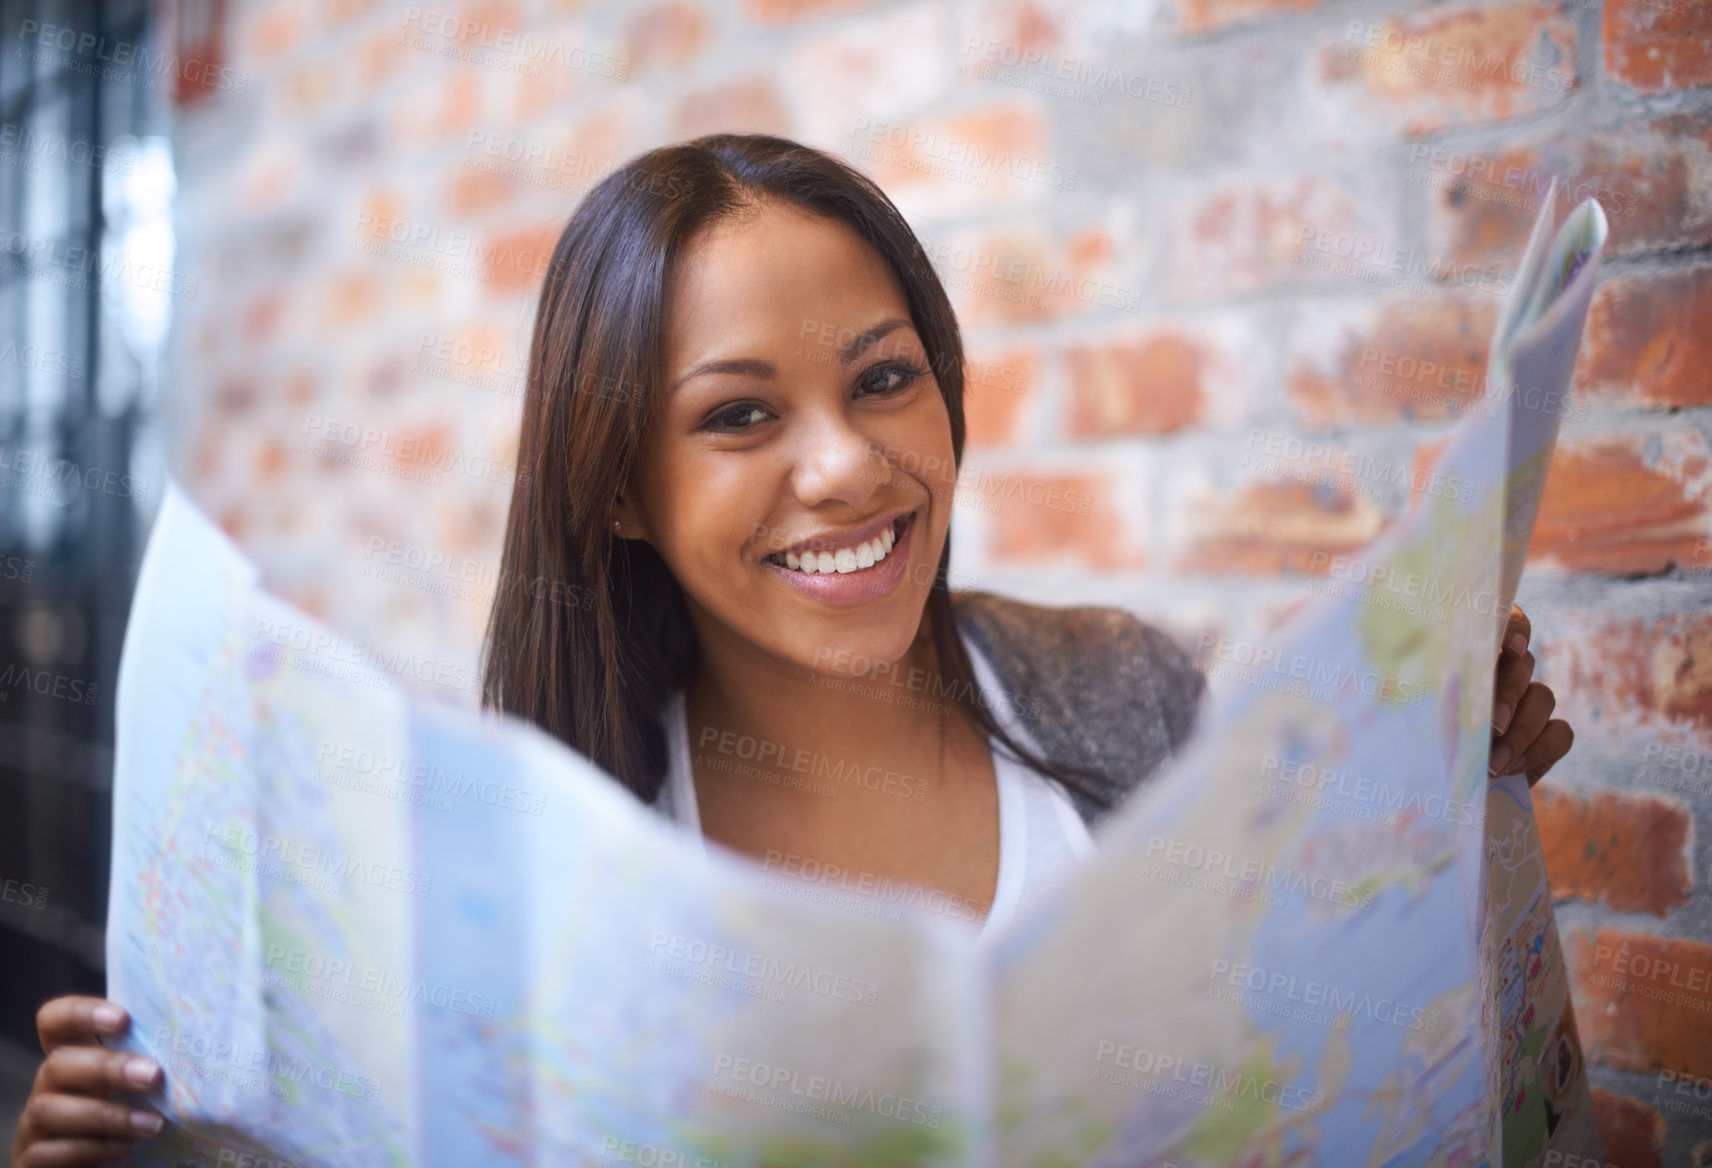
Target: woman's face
point(798, 424)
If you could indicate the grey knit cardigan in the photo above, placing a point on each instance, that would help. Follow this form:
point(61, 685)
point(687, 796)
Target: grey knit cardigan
point(1096, 687)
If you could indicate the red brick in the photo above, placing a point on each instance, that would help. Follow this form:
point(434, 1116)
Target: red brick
point(1200, 16)
point(1648, 177)
point(473, 191)
point(276, 29)
point(1464, 68)
point(1250, 235)
point(1270, 528)
point(1632, 853)
point(752, 106)
point(1658, 45)
point(943, 166)
point(1643, 1003)
point(1630, 506)
point(666, 35)
point(1150, 385)
point(785, 11)
point(1632, 1132)
point(994, 390)
point(1651, 677)
point(1394, 360)
point(1649, 340)
point(517, 261)
point(1022, 273)
point(1038, 519)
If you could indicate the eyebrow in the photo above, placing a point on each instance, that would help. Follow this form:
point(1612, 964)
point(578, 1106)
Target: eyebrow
point(764, 370)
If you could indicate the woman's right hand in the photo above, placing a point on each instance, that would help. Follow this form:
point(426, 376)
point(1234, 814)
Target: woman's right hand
point(68, 1120)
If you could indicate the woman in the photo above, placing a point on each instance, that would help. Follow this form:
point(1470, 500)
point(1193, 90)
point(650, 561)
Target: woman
point(729, 542)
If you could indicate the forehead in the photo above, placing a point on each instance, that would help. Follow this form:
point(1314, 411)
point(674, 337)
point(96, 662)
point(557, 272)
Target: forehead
point(774, 272)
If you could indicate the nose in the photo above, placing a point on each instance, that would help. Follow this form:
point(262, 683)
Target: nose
point(836, 462)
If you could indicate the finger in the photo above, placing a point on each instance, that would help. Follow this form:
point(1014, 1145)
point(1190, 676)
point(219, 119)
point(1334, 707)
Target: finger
point(75, 1153)
point(94, 1070)
point(1552, 744)
point(1532, 714)
point(80, 1118)
point(78, 1019)
point(1518, 632)
point(1512, 682)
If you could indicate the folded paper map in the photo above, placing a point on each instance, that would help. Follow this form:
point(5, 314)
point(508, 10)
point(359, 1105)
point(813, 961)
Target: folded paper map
point(361, 929)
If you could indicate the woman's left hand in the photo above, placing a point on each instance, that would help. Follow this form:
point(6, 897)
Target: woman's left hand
point(1526, 736)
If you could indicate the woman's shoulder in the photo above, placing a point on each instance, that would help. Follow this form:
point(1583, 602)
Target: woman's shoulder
point(1095, 685)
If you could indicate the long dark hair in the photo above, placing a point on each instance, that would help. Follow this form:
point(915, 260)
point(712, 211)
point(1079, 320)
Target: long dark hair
point(590, 634)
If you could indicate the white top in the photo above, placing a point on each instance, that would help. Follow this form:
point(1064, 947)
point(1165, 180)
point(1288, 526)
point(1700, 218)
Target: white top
point(1040, 832)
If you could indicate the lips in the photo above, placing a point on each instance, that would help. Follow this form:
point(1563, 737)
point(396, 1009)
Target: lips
point(856, 551)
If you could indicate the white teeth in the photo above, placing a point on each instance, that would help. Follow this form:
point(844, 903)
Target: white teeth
point(850, 559)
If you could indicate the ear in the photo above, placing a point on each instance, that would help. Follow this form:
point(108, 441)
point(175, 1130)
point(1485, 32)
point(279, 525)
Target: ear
point(631, 524)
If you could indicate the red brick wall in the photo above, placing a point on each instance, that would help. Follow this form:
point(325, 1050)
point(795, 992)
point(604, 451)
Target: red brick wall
point(1221, 224)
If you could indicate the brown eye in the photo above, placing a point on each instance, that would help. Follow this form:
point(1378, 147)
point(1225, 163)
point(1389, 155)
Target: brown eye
point(890, 377)
point(736, 417)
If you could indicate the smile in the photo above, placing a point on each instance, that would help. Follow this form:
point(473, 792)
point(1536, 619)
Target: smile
point(858, 557)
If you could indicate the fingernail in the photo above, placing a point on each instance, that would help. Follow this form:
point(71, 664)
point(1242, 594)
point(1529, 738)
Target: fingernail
point(1501, 717)
point(1500, 757)
point(147, 1122)
point(1518, 644)
point(109, 1016)
point(141, 1072)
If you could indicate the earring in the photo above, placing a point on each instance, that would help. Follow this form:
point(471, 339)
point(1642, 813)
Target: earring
point(616, 525)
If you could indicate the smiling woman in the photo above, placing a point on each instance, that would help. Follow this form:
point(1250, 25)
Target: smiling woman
point(741, 434)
